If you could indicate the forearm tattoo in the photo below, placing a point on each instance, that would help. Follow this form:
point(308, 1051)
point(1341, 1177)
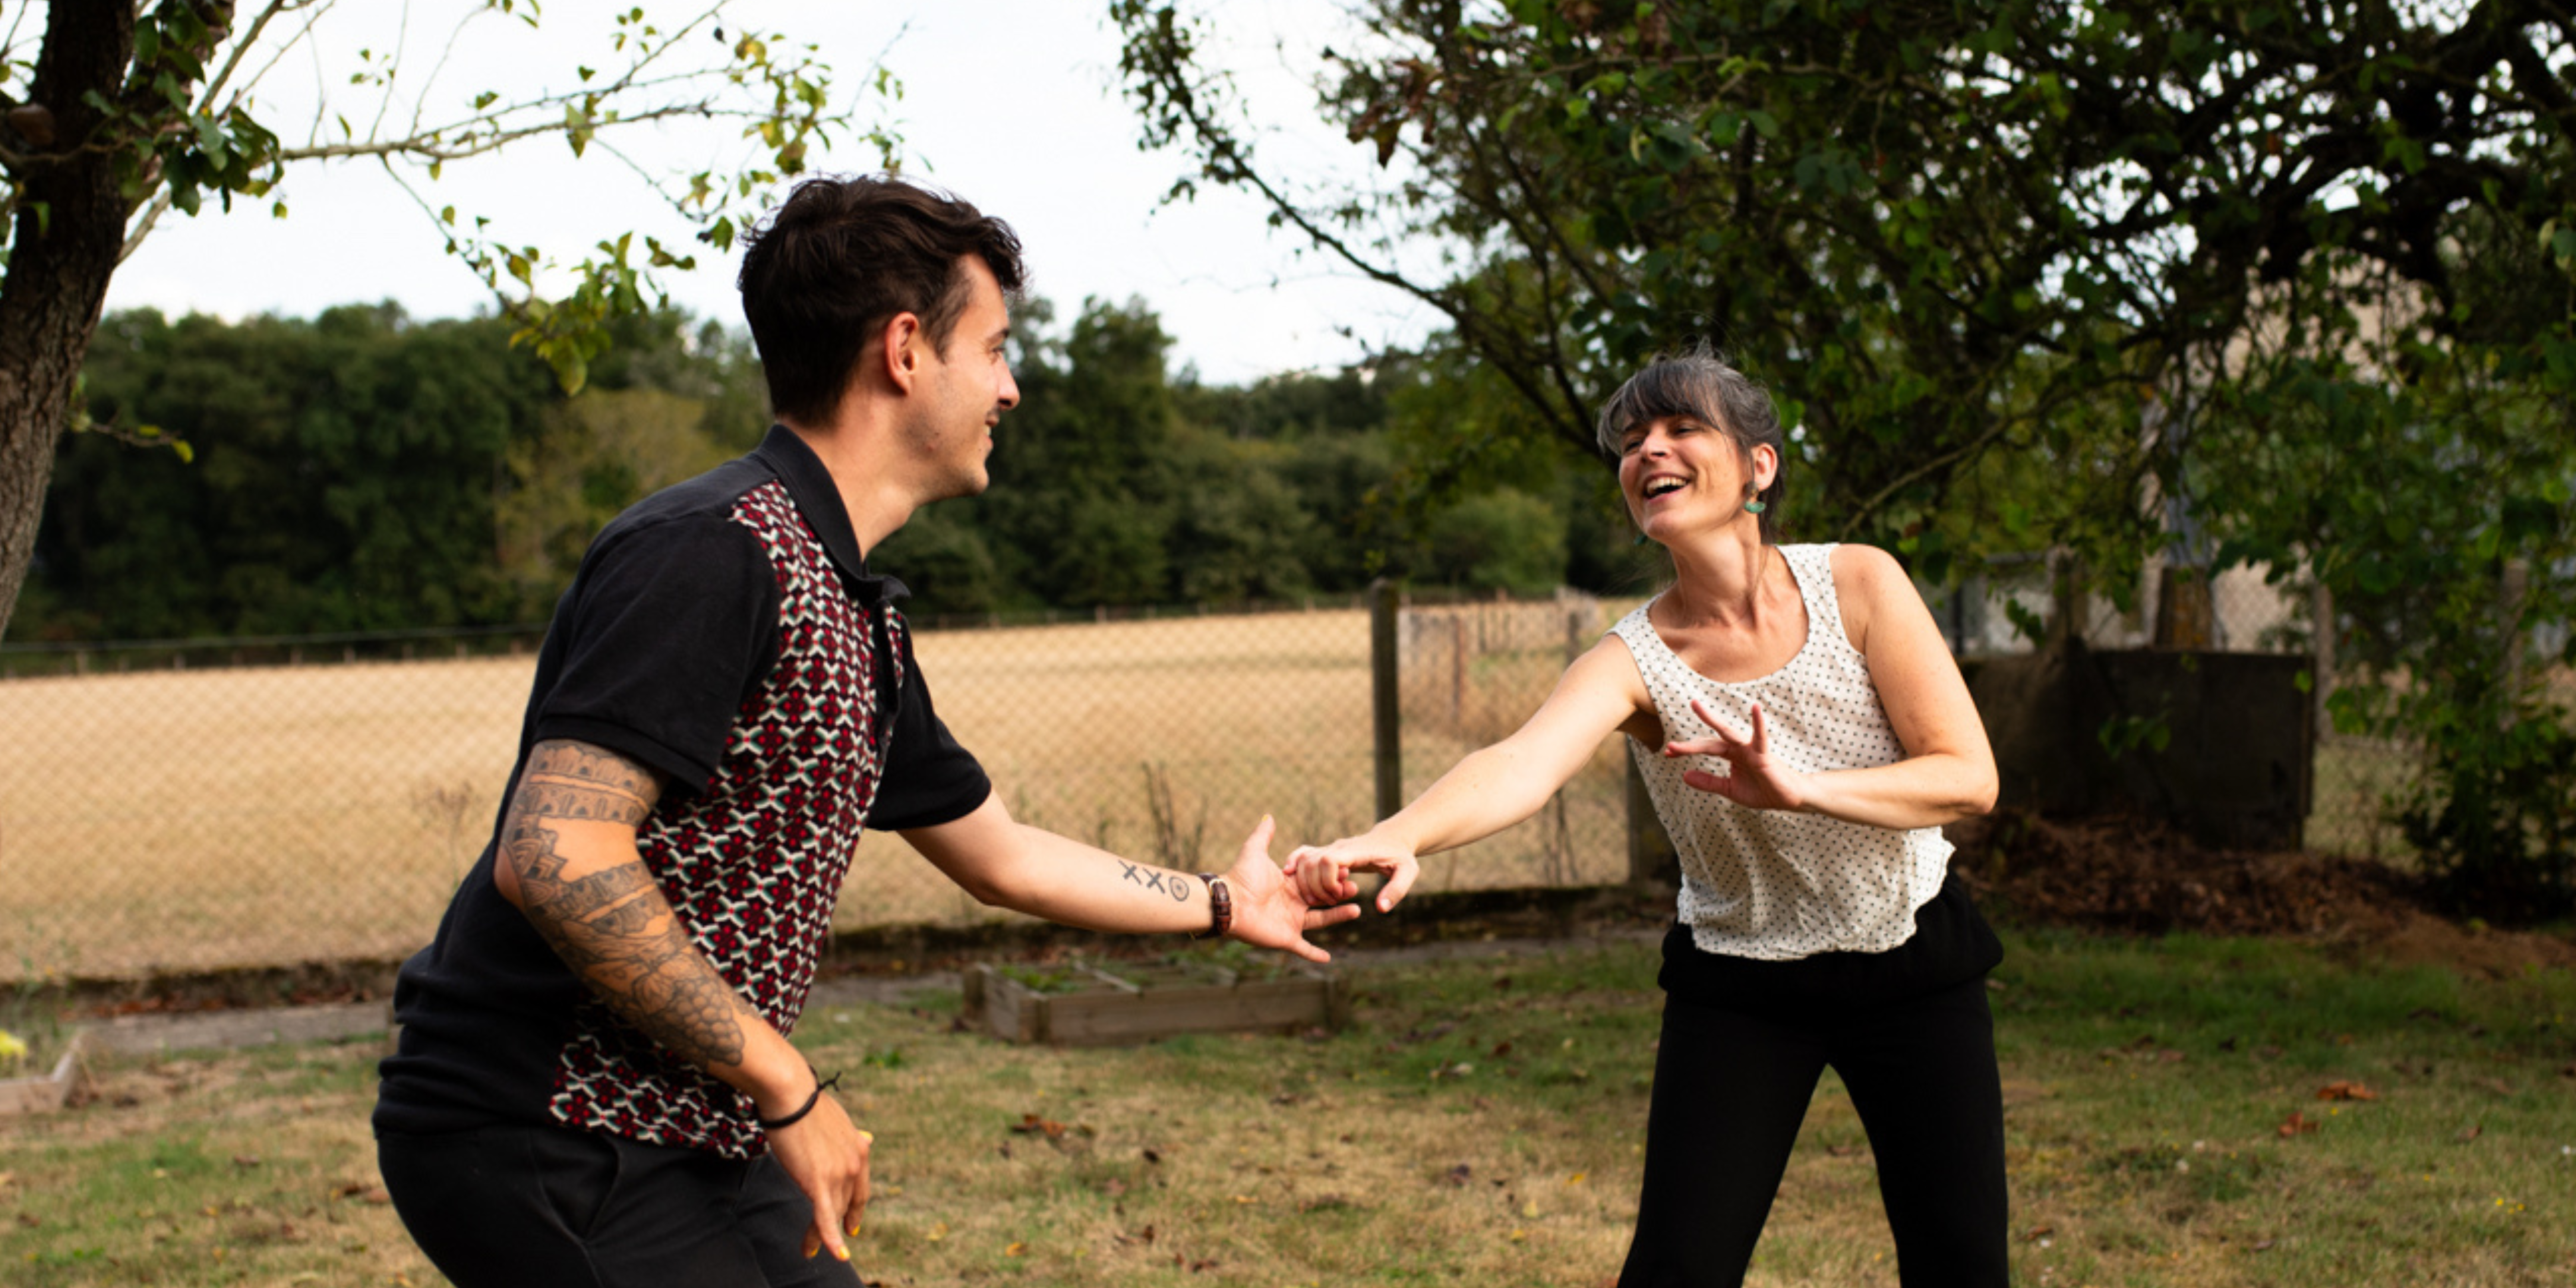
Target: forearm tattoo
point(612, 926)
point(1156, 879)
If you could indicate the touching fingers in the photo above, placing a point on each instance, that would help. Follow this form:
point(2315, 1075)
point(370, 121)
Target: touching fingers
point(1397, 886)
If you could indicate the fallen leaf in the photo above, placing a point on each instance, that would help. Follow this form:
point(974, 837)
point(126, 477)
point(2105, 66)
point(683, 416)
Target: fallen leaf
point(1502, 1048)
point(1520, 1236)
point(2039, 1233)
point(1577, 1178)
point(2263, 1245)
point(1530, 1209)
point(2469, 1133)
point(1459, 1175)
point(1016, 1250)
point(1113, 1187)
point(1243, 1199)
point(2497, 1085)
point(1284, 1098)
point(937, 1232)
point(1200, 1267)
point(2170, 1056)
point(1842, 1151)
point(2296, 1124)
point(1152, 1156)
point(245, 1160)
point(1031, 1124)
point(2346, 1091)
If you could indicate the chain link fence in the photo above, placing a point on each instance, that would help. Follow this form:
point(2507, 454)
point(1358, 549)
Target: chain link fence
point(196, 805)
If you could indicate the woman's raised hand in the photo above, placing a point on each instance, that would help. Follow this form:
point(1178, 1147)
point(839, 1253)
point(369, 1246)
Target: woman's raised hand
point(1754, 780)
point(1323, 872)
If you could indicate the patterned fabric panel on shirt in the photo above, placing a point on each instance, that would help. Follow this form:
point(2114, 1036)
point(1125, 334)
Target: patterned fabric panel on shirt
point(1768, 884)
point(753, 864)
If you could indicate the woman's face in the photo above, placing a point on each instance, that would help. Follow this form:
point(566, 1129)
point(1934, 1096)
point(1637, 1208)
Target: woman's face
point(1682, 474)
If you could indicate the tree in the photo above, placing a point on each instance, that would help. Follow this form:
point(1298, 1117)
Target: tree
point(2278, 280)
point(124, 110)
point(1945, 230)
point(348, 478)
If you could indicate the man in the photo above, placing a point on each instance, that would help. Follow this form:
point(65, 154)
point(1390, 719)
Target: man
point(594, 1084)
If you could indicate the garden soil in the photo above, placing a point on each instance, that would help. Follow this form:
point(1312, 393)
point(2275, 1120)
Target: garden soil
point(2136, 876)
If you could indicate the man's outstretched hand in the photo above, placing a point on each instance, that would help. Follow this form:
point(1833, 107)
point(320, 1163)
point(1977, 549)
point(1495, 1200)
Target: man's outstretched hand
point(1269, 910)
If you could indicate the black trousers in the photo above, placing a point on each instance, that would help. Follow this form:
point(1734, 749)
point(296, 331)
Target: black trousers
point(543, 1207)
point(1732, 1084)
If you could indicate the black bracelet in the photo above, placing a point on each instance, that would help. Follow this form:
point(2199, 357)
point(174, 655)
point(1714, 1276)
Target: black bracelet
point(781, 1124)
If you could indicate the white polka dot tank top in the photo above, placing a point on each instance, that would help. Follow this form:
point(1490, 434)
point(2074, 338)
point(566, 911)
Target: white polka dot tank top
point(1771, 884)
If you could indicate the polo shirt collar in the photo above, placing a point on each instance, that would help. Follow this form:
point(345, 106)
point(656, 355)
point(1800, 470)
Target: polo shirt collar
point(810, 485)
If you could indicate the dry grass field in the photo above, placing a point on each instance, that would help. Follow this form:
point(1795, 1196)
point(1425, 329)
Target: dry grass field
point(209, 818)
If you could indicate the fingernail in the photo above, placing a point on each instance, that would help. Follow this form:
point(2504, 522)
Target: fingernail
point(842, 1253)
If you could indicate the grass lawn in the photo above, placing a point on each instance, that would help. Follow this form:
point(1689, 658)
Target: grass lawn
point(1481, 1124)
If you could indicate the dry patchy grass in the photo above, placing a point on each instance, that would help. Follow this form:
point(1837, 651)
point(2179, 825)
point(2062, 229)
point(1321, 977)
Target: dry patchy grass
point(1481, 1124)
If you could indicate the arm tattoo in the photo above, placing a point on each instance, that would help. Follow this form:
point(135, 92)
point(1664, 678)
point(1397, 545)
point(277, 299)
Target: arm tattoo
point(612, 926)
point(1153, 879)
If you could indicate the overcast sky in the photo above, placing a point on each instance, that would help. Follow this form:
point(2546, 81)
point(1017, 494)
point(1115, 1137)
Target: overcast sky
point(1011, 103)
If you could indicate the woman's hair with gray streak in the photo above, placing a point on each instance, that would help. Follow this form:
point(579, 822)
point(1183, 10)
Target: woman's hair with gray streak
point(1697, 383)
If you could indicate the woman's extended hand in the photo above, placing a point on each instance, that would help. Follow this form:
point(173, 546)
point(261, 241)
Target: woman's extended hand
point(1271, 911)
point(1754, 780)
point(1323, 872)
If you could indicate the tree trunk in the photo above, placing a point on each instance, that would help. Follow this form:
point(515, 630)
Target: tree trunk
point(70, 228)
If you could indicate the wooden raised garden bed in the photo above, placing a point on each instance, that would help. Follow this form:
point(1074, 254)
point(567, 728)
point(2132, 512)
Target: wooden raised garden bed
point(1109, 1003)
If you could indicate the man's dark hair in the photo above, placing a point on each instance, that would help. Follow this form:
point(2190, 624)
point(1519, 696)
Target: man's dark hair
point(822, 274)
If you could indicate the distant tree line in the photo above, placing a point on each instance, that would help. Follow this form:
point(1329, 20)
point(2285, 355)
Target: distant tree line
point(364, 470)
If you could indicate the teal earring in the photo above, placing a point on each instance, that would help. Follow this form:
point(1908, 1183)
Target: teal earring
point(1754, 507)
point(1641, 540)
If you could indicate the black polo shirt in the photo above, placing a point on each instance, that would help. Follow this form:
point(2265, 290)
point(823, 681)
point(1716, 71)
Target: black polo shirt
point(726, 633)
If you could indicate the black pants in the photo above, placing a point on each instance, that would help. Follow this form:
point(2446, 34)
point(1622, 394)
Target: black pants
point(1732, 1084)
point(548, 1207)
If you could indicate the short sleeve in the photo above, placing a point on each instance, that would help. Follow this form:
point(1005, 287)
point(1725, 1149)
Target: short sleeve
point(929, 779)
point(672, 625)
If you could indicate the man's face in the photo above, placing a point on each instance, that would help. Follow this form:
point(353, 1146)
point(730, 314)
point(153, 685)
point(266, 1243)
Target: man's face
point(964, 389)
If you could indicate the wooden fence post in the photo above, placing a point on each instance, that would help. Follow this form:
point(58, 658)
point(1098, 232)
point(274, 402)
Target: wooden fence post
point(1384, 695)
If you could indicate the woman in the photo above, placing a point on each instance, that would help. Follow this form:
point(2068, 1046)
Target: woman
point(1814, 734)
